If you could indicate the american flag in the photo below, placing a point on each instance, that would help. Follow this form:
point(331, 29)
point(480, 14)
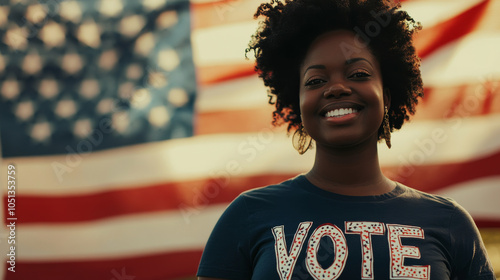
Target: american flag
point(133, 124)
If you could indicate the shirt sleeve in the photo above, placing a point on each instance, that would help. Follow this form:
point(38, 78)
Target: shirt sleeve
point(468, 251)
point(226, 254)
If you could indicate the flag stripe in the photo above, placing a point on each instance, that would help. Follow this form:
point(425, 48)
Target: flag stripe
point(242, 155)
point(139, 267)
point(189, 195)
point(69, 242)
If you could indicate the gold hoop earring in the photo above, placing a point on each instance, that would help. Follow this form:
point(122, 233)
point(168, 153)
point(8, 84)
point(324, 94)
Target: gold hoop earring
point(387, 128)
point(301, 140)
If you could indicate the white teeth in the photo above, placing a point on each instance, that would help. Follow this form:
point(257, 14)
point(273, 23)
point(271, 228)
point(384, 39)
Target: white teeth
point(340, 112)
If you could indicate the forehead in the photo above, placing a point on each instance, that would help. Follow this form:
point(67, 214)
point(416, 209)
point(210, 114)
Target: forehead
point(337, 46)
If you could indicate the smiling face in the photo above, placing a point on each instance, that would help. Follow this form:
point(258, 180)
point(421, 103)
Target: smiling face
point(341, 93)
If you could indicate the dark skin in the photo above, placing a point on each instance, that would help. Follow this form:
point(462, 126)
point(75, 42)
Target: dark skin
point(340, 73)
point(346, 159)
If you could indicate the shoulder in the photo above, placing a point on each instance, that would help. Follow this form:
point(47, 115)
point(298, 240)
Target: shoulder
point(428, 198)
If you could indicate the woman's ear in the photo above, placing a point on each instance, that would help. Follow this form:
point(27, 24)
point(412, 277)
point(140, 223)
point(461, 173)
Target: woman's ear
point(387, 97)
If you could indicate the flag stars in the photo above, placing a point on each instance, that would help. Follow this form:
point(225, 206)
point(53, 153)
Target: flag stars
point(82, 128)
point(153, 4)
point(110, 8)
point(141, 98)
point(144, 44)
point(41, 131)
point(24, 110)
point(108, 59)
point(89, 34)
point(10, 89)
point(167, 19)
point(157, 79)
point(126, 90)
point(89, 88)
point(65, 108)
point(168, 59)
point(177, 97)
point(134, 71)
point(130, 26)
point(4, 14)
point(120, 122)
point(36, 13)
point(48, 88)
point(105, 106)
point(32, 63)
point(158, 116)
point(70, 10)
point(53, 34)
point(2, 63)
point(72, 63)
point(16, 38)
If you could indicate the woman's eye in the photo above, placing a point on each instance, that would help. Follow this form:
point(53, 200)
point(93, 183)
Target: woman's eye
point(314, 82)
point(360, 74)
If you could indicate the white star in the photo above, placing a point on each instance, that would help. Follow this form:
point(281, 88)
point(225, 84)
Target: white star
point(178, 97)
point(16, 38)
point(4, 13)
point(82, 128)
point(108, 59)
point(153, 4)
point(141, 98)
point(167, 19)
point(159, 116)
point(53, 34)
point(72, 63)
point(134, 71)
point(89, 88)
point(144, 44)
point(111, 8)
point(32, 63)
point(35, 13)
point(65, 108)
point(168, 59)
point(105, 106)
point(157, 79)
point(48, 88)
point(89, 33)
point(24, 110)
point(120, 121)
point(10, 89)
point(2, 63)
point(131, 25)
point(41, 131)
point(70, 10)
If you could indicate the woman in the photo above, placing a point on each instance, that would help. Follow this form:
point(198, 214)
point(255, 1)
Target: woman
point(345, 74)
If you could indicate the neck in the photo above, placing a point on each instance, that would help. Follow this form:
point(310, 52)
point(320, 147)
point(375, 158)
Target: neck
point(349, 171)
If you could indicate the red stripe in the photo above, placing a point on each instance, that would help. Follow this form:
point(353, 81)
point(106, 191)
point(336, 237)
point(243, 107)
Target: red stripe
point(192, 196)
point(207, 75)
point(430, 178)
point(430, 39)
point(152, 267)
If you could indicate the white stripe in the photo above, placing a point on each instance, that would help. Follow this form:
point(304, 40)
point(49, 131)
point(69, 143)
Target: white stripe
point(431, 12)
point(242, 93)
point(249, 154)
point(118, 237)
point(223, 44)
point(471, 59)
point(184, 229)
point(443, 141)
point(479, 197)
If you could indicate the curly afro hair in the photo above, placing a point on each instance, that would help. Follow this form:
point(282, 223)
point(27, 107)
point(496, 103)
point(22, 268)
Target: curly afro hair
point(283, 38)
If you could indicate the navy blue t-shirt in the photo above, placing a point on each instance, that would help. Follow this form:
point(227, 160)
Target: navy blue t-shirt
point(295, 230)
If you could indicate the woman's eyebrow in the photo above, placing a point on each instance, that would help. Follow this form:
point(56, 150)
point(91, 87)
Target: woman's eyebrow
point(356, 59)
point(316, 66)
